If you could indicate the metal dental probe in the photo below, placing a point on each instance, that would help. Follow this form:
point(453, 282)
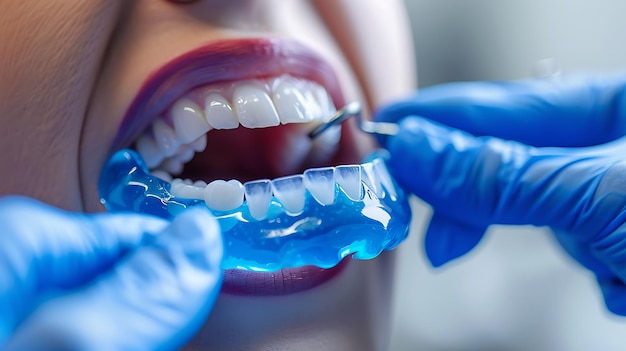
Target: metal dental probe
point(354, 109)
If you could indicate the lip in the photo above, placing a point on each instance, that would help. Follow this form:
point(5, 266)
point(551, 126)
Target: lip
point(230, 60)
point(223, 60)
point(283, 282)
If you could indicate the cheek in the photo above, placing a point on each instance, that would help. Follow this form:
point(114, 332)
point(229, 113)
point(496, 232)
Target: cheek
point(51, 55)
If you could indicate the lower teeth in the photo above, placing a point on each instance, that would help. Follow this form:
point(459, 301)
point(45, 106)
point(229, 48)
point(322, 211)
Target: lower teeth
point(313, 219)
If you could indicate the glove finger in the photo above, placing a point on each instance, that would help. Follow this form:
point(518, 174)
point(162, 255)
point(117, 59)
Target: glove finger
point(447, 240)
point(583, 253)
point(612, 287)
point(482, 181)
point(155, 298)
point(572, 111)
point(614, 293)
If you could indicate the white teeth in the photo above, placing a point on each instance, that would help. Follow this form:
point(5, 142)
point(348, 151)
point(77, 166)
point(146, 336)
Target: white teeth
point(220, 195)
point(149, 151)
point(370, 179)
point(172, 166)
point(200, 184)
point(165, 138)
point(259, 104)
point(199, 144)
point(162, 175)
point(184, 154)
point(258, 197)
point(254, 107)
point(312, 105)
point(188, 119)
point(321, 184)
point(290, 192)
point(349, 180)
point(325, 102)
point(180, 189)
point(219, 113)
point(291, 104)
point(172, 140)
point(385, 177)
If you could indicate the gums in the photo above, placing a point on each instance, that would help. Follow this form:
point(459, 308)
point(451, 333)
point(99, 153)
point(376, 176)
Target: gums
point(321, 235)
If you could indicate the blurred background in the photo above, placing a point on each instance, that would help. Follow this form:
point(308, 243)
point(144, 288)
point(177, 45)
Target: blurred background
point(518, 290)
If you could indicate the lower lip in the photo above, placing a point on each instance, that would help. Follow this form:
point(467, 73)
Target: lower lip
point(283, 282)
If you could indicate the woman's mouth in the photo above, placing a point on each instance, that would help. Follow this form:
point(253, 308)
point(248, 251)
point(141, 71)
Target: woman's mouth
point(225, 127)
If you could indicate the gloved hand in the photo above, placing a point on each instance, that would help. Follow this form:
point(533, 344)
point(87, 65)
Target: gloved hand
point(105, 281)
point(459, 162)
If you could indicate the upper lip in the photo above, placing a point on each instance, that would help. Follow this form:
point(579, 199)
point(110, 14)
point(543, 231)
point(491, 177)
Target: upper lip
point(224, 60)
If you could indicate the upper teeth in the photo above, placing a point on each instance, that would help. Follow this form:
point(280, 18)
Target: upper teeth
point(290, 191)
point(169, 142)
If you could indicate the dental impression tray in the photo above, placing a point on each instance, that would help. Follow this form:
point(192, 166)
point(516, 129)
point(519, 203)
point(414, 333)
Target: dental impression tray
point(316, 218)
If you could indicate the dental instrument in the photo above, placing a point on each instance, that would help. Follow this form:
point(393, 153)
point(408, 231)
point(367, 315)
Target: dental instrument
point(353, 109)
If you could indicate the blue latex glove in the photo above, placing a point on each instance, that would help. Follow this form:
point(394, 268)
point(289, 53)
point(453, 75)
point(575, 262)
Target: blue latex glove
point(473, 177)
point(105, 281)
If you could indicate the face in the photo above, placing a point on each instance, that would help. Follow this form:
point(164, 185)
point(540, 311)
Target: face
point(73, 73)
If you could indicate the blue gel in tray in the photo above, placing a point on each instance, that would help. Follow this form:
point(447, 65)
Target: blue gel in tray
point(322, 235)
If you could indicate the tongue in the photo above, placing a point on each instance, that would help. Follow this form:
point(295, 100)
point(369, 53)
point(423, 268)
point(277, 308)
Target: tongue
point(248, 154)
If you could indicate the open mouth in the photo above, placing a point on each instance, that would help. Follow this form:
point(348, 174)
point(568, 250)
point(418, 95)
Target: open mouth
point(234, 138)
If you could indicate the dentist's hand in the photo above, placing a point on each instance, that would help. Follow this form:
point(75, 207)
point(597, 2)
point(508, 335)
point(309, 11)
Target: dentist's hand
point(462, 165)
point(106, 281)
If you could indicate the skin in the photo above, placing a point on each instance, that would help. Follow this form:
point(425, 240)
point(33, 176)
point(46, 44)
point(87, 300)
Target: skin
point(70, 69)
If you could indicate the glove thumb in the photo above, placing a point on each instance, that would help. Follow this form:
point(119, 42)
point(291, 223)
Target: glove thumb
point(447, 240)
